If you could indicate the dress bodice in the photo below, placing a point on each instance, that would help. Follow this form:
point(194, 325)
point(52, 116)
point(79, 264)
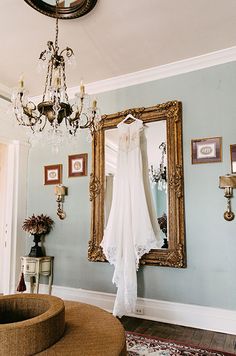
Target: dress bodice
point(129, 135)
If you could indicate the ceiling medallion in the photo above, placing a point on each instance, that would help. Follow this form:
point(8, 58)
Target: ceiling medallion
point(55, 119)
point(67, 9)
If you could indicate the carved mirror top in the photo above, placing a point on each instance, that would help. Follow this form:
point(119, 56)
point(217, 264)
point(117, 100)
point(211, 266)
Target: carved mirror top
point(68, 9)
point(171, 112)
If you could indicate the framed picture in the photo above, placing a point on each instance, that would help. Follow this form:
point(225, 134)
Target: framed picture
point(52, 174)
point(77, 165)
point(233, 158)
point(206, 150)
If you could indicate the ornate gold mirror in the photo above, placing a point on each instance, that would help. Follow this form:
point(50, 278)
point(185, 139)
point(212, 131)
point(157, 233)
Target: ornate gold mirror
point(67, 9)
point(163, 135)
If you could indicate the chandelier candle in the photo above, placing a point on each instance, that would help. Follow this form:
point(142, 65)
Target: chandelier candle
point(82, 90)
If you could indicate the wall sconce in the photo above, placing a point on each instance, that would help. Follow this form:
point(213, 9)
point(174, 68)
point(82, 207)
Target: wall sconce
point(60, 192)
point(228, 182)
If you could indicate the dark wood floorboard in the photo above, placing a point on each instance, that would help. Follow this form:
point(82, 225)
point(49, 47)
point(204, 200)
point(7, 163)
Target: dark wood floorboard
point(200, 338)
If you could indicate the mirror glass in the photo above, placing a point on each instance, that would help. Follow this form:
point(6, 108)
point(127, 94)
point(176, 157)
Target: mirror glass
point(154, 163)
point(64, 3)
point(162, 158)
point(233, 158)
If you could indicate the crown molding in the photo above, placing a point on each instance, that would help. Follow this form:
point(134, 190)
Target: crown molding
point(147, 75)
point(159, 72)
point(5, 92)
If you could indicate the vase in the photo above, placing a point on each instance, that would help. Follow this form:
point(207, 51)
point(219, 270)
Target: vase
point(165, 244)
point(36, 250)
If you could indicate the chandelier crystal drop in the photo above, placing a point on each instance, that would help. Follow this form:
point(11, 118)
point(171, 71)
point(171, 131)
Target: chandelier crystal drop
point(54, 114)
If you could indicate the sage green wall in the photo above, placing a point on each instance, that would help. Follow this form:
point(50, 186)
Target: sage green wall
point(209, 109)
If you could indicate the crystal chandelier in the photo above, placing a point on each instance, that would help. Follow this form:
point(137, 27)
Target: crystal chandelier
point(159, 176)
point(54, 114)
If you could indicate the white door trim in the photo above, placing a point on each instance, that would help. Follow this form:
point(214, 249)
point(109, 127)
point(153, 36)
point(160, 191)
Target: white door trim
point(15, 211)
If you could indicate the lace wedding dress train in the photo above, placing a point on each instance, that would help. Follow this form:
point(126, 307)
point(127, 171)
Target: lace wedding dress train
point(129, 232)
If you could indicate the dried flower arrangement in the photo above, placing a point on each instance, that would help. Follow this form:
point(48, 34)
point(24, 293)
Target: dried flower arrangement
point(38, 225)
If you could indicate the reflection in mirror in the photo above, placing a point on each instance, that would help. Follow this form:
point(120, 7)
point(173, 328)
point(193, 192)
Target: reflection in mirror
point(162, 156)
point(233, 158)
point(153, 150)
point(64, 3)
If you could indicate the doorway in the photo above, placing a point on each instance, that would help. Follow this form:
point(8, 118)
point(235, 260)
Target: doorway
point(13, 203)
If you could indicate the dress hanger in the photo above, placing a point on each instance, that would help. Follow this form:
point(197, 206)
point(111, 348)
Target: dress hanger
point(130, 116)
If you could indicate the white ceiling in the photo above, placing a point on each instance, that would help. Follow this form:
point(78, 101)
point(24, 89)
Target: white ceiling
point(117, 37)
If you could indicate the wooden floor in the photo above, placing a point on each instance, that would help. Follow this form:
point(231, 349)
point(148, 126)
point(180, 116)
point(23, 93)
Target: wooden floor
point(201, 338)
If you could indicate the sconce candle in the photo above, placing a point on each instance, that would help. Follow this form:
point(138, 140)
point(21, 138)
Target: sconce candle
point(60, 190)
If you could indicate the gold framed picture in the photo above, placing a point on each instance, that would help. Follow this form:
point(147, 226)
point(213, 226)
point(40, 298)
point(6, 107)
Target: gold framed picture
point(53, 174)
point(206, 150)
point(77, 165)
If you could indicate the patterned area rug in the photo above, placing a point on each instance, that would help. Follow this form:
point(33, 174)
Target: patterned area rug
point(142, 345)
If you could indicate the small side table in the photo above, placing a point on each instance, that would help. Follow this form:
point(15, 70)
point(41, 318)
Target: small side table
point(36, 267)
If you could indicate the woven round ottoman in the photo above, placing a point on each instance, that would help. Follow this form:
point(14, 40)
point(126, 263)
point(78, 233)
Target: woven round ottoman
point(29, 323)
point(90, 331)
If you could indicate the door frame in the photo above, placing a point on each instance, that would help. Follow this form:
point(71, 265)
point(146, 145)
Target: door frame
point(15, 212)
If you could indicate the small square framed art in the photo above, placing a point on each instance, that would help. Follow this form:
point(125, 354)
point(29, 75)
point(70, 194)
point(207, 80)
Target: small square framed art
point(77, 165)
point(53, 174)
point(206, 150)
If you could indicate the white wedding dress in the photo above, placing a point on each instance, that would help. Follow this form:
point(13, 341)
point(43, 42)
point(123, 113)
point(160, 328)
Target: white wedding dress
point(129, 232)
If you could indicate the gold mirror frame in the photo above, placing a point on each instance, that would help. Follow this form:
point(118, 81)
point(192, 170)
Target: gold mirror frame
point(80, 8)
point(175, 255)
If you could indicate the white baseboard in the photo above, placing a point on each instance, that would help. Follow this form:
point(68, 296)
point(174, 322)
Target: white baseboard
point(202, 317)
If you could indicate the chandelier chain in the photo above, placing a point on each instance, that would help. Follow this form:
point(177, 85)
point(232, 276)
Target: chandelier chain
point(64, 83)
point(57, 27)
point(56, 39)
point(46, 83)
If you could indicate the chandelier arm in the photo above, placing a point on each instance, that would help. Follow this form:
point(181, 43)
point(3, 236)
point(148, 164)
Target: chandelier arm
point(45, 122)
point(30, 115)
point(42, 56)
point(29, 110)
point(80, 110)
point(69, 52)
point(88, 122)
point(78, 115)
point(20, 120)
point(51, 47)
point(71, 126)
